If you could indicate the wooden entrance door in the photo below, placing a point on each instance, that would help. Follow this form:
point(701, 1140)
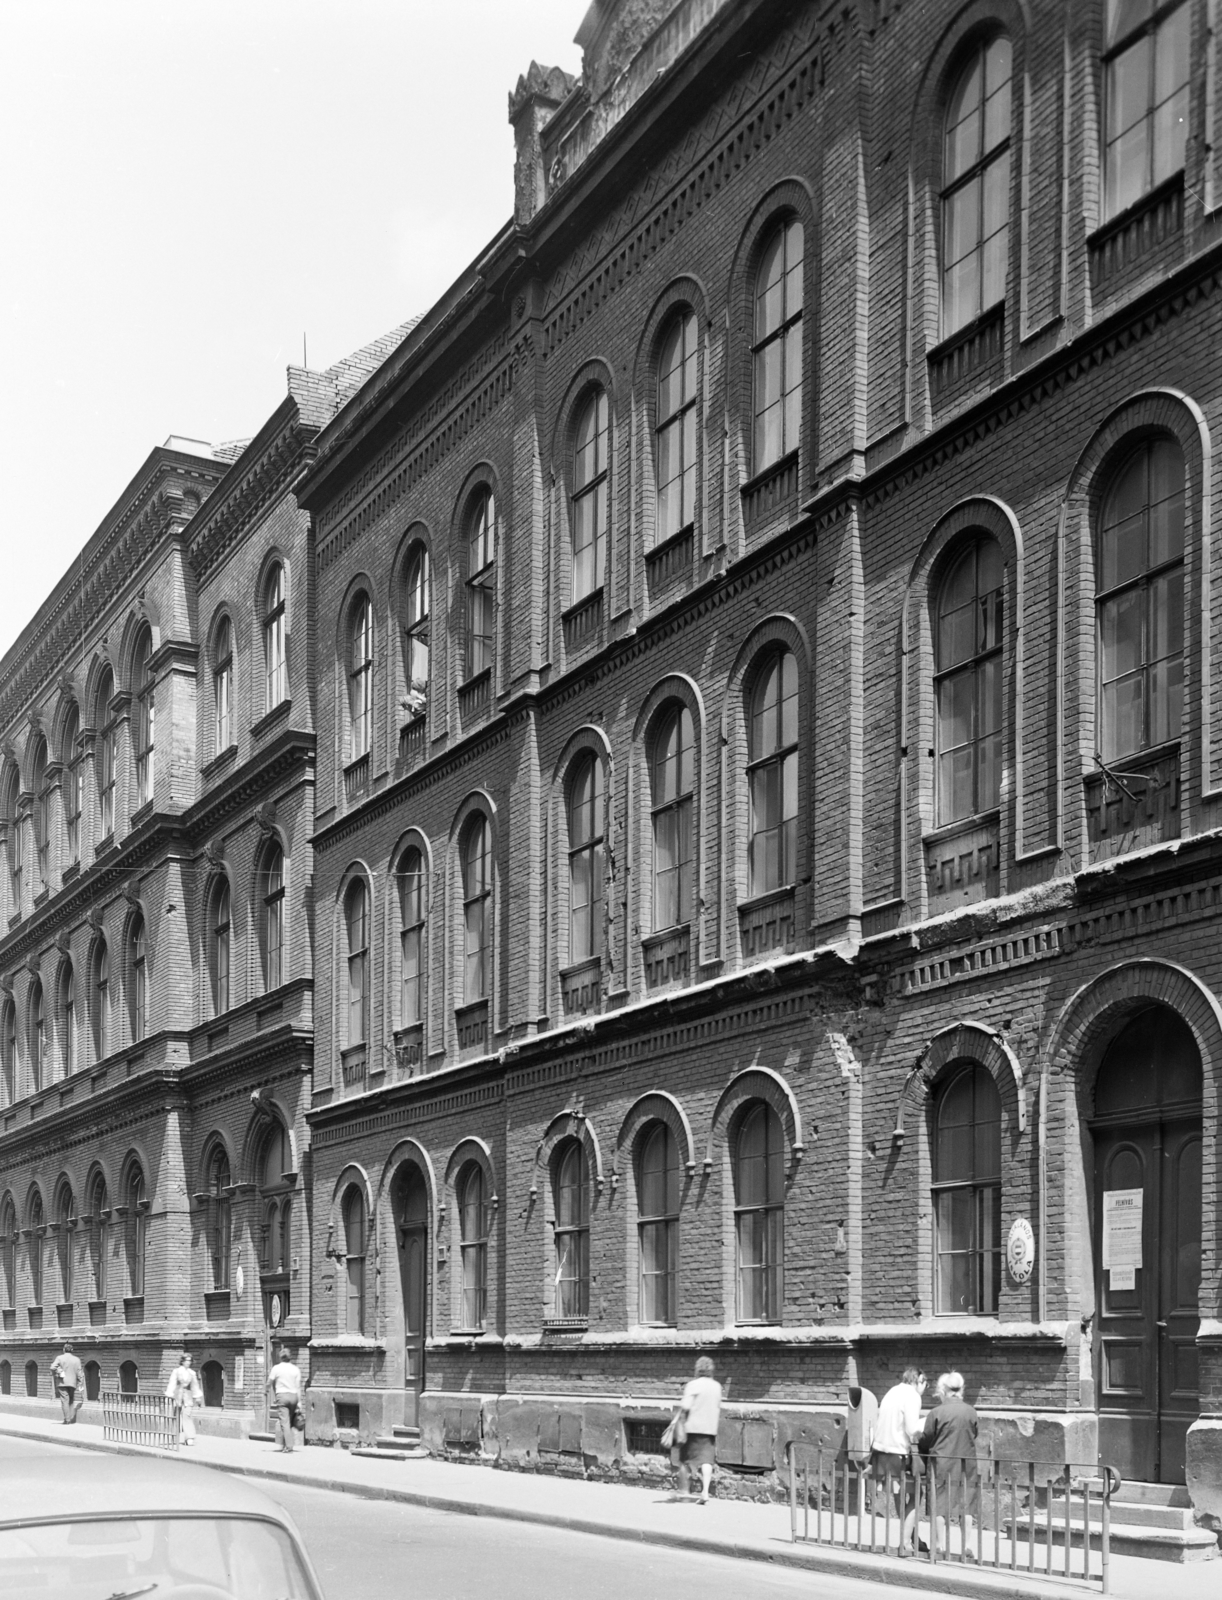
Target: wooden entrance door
point(1147, 1133)
point(411, 1230)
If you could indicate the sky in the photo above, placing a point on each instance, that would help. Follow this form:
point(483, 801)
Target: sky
point(187, 187)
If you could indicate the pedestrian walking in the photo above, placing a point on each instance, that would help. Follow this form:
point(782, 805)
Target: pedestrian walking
point(698, 1417)
point(284, 1387)
point(895, 1437)
point(948, 1439)
point(68, 1376)
point(184, 1390)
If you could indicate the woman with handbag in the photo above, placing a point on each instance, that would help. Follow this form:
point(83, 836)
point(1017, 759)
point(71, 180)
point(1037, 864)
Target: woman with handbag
point(694, 1428)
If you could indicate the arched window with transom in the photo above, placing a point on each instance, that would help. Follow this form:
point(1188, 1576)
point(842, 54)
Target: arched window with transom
point(38, 1232)
point(67, 1019)
point(967, 1192)
point(219, 1219)
point(480, 584)
point(99, 1236)
point(12, 790)
point(477, 910)
point(411, 880)
point(222, 685)
point(276, 1202)
point(73, 784)
point(144, 684)
point(101, 999)
point(759, 1214)
point(356, 924)
point(8, 1049)
point(417, 605)
point(136, 1239)
point(1139, 602)
point(676, 422)
point(353, 1213)
point(571, 1201)
point(137, 957)
point(658, 1187)
point(38, 1035)
point(1147, 66)
point(65, 1219)
point(672, 781)
point(269, 889)
point(777, 345)
point(976, 185)
point(107, 753)
point(8, 1253)
point(275, 637)
point(772, 775)
point(590, 495)
point(42, 813)
point(360, 678)
point(587, 858)
point(473, 1234)
point(219, 950)
point(968, 682)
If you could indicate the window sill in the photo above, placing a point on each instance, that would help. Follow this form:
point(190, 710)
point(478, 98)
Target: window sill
point(672, 558)
point(1135, 233)
point(475, 696)
point(271, 719)
point(967, 351)
point(951, 830)
point(216, 1305)
point(583, 620)
point(210, 768)
point(772, 491)
point(104, 846)
point(71, 872)
point(141, 815)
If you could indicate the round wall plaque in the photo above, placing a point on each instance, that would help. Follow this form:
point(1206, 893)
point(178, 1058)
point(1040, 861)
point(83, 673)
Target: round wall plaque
point(1020, 1250)
point(275, 1307)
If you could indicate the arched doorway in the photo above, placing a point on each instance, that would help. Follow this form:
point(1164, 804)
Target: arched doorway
point(1147, 1136)
point(410, 1208)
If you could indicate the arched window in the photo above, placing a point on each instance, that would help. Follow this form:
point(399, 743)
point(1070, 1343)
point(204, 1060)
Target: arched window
point(99, 1235)
point(477, 910)
point(72, 784)
point(219, 1204)
point(38, 1229)
point(8, 1253)
point(586, 858)
point(481, 584)
point(356, 918)
point(473, 1230)
point(277, 1202)
point(222, 685)
point(218, 947)
point(8, 1044)
point(676, 425)
point(275, 655)
point(42, 812)
point(1147, 66)
point(417, 601)
point(1140, 602)
point(354, 1259)
point(571, 1190)
point(66, 1223)
point(590, 495)
point(6, 1377)
point(976, 186)
point(360, 678)
point(93, 1380)
point(137, 1228)
point(144, 682)
point(967, 682)
point(100, 985)
point(138, 959)
point(658, 1224)
point(12, 790)
point(777, 350)
point(411, 937)
point(67, 1019)
point(967, 1192)
point(759, 1214)
point(772, 776)
point(129, 1378)
point(672, 780)
point(271, 915)
point(38, 1035)
point(31, 1379)
point(107, 752)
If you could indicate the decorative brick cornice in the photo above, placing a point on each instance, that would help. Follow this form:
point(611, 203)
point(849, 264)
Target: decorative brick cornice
point(262, 474)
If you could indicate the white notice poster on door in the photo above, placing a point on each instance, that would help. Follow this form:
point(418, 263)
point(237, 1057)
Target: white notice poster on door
point(1121, 1228)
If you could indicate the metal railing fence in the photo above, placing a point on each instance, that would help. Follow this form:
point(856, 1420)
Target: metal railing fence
point(150, 1419)
point(1009, 1515)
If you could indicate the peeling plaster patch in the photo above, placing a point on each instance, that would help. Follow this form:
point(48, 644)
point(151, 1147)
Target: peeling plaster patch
point(842, 1054)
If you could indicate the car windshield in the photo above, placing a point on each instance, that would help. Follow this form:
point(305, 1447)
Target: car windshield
point(168, 1558)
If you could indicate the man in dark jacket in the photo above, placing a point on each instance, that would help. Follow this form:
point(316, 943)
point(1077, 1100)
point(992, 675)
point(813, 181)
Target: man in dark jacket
point(948, 1440)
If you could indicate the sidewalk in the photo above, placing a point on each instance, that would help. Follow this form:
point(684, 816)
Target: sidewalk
point(728, 1527)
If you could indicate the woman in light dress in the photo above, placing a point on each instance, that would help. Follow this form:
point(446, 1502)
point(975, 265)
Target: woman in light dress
point(183, 1388)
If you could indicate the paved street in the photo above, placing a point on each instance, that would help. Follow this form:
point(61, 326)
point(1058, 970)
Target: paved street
point(372, 1550)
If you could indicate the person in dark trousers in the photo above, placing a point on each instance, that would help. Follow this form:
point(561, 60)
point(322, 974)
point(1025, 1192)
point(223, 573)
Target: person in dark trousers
point(69, 1378)
point(948, 1440)
point(284, 1385)
point(700, 1409)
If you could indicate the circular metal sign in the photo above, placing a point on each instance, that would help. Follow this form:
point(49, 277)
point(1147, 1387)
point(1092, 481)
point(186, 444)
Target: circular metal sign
point(276, 1308)
point(1020, 1250)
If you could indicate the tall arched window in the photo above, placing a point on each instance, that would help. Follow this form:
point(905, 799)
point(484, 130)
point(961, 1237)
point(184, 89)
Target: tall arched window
point(354, 1259)
point(477, 910)
point(144, 682)
point(38, 1229)
point(42, 812)
point(72, 784)
point(100, 975)
point(1147, 67)
point(12, 790)
point(759, 1214)
point(99, 1236)
point(772, 776)
point(1140, 602)
point(107, 752)
point(8, 1252)
point(411, 937)
point(270, 888)
point(967, 1192)
point(658, 1224)
point(275, 653)
point(137, 944)
point(137, 1229)
point(218, 947)
point(676, 425)
point(481, 584)
point(67, 1019)
point(586, 860)
point(276, 1197)
point(222, 685)
point(417, 602)
point(976, 186)
point(360, 678)
point(8, 1044)
point(672, 774)
point(571, 1191)
point(38, 1035)
point(66, 1223)
point(356, 918)
point(777, 348)
point(968, 682)
point(473, 1231)
point(590, 495)
point(219, 1204)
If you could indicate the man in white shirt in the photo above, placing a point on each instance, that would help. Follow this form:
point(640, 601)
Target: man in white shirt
point(895, 1435)
point(284, 1386)
point(69, 1378)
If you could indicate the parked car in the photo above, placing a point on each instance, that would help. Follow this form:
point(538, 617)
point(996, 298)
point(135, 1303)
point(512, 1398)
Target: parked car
point(102, 1527)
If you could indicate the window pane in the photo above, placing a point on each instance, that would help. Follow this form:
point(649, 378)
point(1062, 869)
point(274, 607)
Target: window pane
point(963, 122)
point(1125, 15)
point(1127, 163)
point(1120, 628)
point(769, 291)
point(997, 87)
point(1166, 700)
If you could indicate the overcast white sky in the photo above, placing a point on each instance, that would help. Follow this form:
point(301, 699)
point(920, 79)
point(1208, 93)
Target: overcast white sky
point(188, 185)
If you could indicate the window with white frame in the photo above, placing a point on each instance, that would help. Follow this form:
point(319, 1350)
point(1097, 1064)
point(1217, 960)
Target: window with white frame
point(777, 346)
point(411, 937)
point(99, 1236)
point(356, 921)
point(417, 603)
point(759, 1214)
point(360, 679)
point(67, 1019)
point(66, 1218)
point(571, 1200)
point(672, 778)
point(477, 910)
point(100, 973)
point(772, 775)
point(107, 754)
point(473, 1234)
point(586, 860)
point(270, 888)
point(138, 960)
point(658, 1185)
point(219, 1220)
point(968, 682)
point(676, 423)
point(145, 683)
point(276, 1199)
point(38, 1035)
point(8, 1044)
point(275, 646)
point(590, 499)
point(73, 781)
point(137, 1232)
point(967, 1192)
point(976, 186)
point(42, 813)
point(354, 1260)
point(38, 1229)
point(219, 932)
point(1146, 71)
point(222, 685)
point(481, 584)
